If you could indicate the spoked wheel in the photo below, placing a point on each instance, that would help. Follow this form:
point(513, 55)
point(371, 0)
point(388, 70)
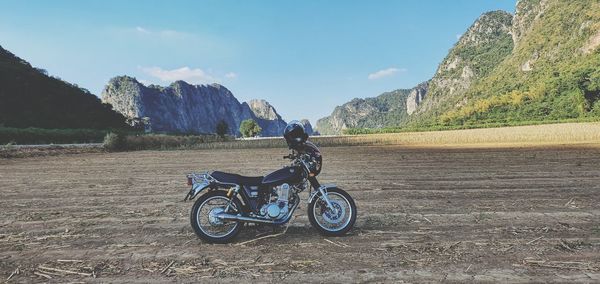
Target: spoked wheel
point(205, 223)
point(333, 222)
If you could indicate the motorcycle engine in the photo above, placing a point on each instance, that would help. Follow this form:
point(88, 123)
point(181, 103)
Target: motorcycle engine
point(278, 208)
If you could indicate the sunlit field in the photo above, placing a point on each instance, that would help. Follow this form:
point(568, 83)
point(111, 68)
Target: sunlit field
point(424, 214)
point(547, 134)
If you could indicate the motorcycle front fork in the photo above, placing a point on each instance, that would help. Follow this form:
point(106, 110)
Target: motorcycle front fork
point(318, 188)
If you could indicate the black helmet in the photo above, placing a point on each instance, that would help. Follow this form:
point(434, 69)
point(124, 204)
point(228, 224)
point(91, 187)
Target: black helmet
point(294, 134)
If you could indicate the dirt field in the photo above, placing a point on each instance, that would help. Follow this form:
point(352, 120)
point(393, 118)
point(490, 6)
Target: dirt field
point(425, 214)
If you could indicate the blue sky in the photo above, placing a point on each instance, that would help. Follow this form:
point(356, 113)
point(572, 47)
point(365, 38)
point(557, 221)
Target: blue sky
point(304, 57)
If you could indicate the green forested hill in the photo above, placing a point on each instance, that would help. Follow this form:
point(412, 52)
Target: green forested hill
point(540, 65)
point(31, 98)
point(476, 54)
point(552, 73)
point(385, 110)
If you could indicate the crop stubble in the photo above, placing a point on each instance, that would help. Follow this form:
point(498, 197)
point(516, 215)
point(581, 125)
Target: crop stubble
point(456, 214)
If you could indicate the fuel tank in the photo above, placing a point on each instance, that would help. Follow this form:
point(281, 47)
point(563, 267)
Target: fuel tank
point(289, 175)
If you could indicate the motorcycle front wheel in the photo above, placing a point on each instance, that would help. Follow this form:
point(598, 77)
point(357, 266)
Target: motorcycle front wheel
point(206, 225)
point(332, 222)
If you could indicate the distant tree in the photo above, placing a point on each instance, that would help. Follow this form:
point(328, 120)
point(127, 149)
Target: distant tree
point(222, 128)
point(249, 128)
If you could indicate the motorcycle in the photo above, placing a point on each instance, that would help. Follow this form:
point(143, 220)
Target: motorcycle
point(230, 200)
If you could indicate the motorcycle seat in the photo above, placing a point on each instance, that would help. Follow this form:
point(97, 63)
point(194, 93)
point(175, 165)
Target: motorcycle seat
point(236, 179)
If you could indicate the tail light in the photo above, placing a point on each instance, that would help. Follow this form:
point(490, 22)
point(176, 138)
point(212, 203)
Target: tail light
point(189, 182)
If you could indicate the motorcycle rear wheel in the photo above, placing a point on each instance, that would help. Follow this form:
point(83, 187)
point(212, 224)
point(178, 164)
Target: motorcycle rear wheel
point(210, 228)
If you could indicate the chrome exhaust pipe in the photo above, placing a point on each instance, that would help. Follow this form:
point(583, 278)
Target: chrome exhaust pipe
point(232, 217)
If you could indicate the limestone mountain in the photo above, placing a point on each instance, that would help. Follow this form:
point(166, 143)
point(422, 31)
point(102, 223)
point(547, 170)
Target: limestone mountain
point(386, 110)
point(267, 118)
point(185, 108)
point(551, 74)
point(31, 98)
point(478, 51)
point(542, 64)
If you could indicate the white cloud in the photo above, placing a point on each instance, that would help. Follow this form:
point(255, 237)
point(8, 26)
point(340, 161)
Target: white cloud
point(141, 30)
point(385, 73)
point(193, 76)
point(231, 75)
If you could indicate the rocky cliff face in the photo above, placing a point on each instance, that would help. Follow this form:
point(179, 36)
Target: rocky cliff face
point(483, 46)
point(386, 110)
point(416, 96)
point(269, 120)
point(526, 13)
point(182, 107)
point(345, 116)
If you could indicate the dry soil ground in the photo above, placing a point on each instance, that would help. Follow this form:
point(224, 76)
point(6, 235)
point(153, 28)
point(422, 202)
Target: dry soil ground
point(425, 214)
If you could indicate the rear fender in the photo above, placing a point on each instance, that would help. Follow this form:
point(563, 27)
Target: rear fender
point(199, 183)
point(198, 187)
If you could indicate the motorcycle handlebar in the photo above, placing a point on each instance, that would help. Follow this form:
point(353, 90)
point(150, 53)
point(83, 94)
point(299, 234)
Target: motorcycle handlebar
point(291, 156)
